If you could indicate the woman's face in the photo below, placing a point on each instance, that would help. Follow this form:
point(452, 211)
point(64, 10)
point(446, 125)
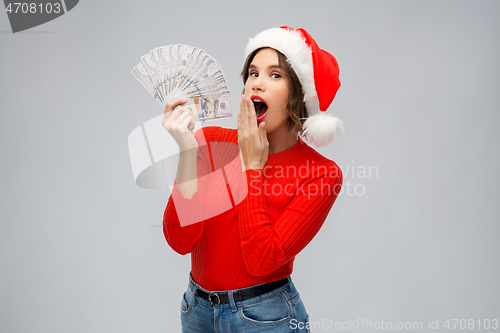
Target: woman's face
point(268, 89)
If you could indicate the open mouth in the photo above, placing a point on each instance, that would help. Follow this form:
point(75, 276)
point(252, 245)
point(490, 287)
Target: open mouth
point(260, 107)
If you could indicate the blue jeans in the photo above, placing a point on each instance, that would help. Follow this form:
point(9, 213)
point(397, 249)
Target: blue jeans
point(280, 310)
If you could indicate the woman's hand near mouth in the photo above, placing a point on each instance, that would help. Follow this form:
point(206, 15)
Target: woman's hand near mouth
point(252, 138)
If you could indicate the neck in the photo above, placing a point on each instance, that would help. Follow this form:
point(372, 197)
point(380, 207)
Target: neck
point(280, 141)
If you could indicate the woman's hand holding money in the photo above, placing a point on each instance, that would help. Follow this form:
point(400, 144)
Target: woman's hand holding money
point(179, 122)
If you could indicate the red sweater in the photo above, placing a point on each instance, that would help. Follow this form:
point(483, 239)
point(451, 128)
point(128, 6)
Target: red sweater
point(245, 228)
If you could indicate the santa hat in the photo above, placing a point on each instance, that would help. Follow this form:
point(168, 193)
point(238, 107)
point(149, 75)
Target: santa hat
point(318, 73)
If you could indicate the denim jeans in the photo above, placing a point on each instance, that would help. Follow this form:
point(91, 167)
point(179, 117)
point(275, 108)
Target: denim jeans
point(280, 310)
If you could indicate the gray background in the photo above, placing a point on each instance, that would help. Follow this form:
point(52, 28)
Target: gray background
point(81, 248)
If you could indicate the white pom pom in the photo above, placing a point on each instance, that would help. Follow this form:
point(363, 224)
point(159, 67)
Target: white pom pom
point(322, 129)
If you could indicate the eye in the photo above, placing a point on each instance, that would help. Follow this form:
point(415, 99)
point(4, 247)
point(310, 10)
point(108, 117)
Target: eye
point(254, 74)
point(275, 75)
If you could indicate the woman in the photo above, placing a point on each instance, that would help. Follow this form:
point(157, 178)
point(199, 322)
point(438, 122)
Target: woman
point(246, 201)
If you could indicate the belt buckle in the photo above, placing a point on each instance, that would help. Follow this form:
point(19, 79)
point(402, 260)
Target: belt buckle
point(214, 299)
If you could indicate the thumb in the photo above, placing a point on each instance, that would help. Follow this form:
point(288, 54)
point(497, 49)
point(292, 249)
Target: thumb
point(263, 133)
point(265, 142)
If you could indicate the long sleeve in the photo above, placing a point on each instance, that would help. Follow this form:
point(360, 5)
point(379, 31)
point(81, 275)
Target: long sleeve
point(268, 244)
point(183, 220)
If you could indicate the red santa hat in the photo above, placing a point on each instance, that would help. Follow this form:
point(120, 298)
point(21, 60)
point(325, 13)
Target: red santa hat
point(318, 73)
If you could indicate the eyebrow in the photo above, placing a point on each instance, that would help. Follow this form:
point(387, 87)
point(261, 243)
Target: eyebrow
point(269, 67)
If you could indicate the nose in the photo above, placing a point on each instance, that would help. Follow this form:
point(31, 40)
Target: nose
point(257, 84)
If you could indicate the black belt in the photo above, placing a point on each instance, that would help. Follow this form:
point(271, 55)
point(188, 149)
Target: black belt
point(241, 295)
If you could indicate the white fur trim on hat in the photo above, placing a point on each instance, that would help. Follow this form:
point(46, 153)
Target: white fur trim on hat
point(322, 129)
point(299, 55)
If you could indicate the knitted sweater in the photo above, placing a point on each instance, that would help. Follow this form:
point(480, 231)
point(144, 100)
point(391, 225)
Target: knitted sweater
point(245, 228)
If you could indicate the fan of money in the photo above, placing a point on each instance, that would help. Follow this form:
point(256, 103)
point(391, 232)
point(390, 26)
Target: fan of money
point(185, 71)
